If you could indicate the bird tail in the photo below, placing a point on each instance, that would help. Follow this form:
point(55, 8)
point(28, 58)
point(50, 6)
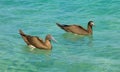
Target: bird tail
point(21, 32)
point(24, 36)
point(60, 25)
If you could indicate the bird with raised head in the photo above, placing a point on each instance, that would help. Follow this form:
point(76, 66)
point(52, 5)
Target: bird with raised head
point(77, 29)
point(36, 42)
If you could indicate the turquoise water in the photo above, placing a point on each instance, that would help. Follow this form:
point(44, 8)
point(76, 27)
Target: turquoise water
point(97, 53)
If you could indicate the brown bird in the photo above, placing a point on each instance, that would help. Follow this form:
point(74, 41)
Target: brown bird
point(76, 29)
point(36, 42)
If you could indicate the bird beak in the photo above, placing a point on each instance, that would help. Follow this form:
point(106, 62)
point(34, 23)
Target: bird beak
point(93, 24)
point(52, 38)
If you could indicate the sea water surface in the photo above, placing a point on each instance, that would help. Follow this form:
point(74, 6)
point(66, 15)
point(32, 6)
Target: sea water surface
point(73, 53)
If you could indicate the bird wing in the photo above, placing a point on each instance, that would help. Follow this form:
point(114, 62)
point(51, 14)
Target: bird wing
point(32, 40)
point(37, 42)
point(75, 29)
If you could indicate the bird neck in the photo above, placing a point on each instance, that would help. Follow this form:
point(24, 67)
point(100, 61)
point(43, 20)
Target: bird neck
point(89, 29)
point(48, 44)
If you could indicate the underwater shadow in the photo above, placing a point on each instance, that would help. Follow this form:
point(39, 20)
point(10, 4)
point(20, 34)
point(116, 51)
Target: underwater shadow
point(82, 39)
point(36, 51)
